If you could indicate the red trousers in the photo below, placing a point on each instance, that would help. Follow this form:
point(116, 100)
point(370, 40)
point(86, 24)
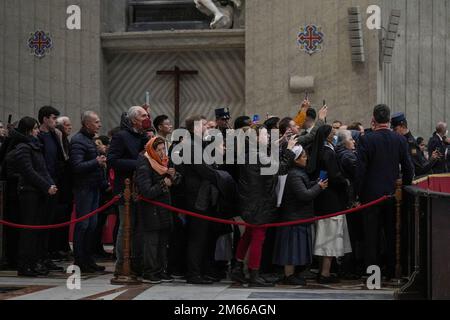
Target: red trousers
point(252, 241)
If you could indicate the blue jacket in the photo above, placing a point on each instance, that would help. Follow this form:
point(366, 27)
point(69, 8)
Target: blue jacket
point(380, 155)
point(83, 159)
point(124, 150)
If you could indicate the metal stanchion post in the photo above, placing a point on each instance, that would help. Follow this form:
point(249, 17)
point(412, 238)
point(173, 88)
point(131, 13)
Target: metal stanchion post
point(2, 230)
point(398, 220)
point(126, 277)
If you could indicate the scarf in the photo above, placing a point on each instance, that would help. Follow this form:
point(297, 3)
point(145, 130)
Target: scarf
point(161, 166)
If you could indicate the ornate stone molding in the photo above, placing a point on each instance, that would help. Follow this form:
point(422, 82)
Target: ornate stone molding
point(178, 40)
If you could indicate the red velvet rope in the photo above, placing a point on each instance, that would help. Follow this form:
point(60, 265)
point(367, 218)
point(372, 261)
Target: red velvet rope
point(65, 224)
point(270, 225)
point(195, 215)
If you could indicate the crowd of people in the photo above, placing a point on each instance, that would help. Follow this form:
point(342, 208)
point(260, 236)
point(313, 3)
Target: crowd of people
point(322, 169)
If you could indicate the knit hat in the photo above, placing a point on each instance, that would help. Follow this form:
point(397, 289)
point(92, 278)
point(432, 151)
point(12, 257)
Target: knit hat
point(298, 150)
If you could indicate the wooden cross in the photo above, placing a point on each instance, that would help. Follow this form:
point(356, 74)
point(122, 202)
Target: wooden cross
point(177, 72)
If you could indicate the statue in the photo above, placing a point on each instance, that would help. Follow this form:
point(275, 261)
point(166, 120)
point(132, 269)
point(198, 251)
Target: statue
point(222, 10)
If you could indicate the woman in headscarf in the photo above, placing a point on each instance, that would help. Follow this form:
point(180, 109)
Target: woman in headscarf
point(332, 239)
point(154, 178)
point(293, 246)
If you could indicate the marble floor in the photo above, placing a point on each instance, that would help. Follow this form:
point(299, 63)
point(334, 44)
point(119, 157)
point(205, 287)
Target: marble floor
point(98, 287)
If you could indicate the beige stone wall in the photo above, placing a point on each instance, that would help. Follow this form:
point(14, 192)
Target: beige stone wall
point(418, 80)
point(272, 56)
point(68, 78)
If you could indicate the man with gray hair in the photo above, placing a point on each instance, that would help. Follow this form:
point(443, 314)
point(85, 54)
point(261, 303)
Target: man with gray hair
point(125, 147)
point(59, 238)
point(88, 178)
point(439, 144)
point(64, 124)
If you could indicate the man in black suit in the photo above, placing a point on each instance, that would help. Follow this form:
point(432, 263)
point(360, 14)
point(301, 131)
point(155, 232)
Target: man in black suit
point(381, 153)
point(439, 143)
point(421, 166)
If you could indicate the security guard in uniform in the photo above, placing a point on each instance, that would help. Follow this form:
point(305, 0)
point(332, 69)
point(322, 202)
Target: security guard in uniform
point(223, 118)
point(422, 166)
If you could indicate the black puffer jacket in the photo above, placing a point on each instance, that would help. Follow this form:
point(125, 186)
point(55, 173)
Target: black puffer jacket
point(83, 158)
point(257, 192)
point(299, 195)
point(347, 160)
point(123, 153)
point(31, 167)
point(150, 185)
point(9, 170)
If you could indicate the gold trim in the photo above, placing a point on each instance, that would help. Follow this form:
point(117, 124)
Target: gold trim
point(441, 175)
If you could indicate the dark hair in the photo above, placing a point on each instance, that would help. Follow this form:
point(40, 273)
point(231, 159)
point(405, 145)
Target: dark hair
point(26, 125)
point(258, 128)
point(159, 120)
point(419, 140)
point(382, 114)
point(311, 113)
point(242, 121)
point(157, 142)
point(337, 121)
point(104, 140)
point(355, 126)
point(47, 112)
point(113, 132)
point(284, 125)
point(403, 123)
point(272, 123)
point(190, 122)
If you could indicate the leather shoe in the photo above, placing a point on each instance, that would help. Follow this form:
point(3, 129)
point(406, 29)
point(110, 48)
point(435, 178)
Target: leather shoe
point(198, 280)
point(211, 278)
point(151, 279)
point(86, 269)
point(40, 269)
point(165, 277)
point(327, 280)
point(257, 281)
point(293, 280)
point(51, 266)
point(97, 268)
point(28, 272)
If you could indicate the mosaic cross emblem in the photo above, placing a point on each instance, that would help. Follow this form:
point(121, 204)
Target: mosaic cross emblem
point(310, 38)
point(39, 43)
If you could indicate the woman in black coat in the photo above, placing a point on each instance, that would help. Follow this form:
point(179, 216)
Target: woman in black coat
point(257, 202)
point(34, 187)
point(293, 245)
point(346, 154)
point(153, 181)
point(332, 239)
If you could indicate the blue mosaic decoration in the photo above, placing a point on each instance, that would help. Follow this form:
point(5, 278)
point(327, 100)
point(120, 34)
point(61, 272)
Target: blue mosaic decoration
point(40, 43)
point(310, 38)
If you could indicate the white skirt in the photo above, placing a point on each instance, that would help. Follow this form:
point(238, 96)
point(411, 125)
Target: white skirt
point(332, 238)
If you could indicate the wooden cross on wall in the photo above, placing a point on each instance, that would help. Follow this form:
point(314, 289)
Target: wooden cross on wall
point(177, 73)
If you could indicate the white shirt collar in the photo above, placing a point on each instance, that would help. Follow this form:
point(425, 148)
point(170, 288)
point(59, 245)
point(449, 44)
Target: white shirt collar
point(329, 145)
